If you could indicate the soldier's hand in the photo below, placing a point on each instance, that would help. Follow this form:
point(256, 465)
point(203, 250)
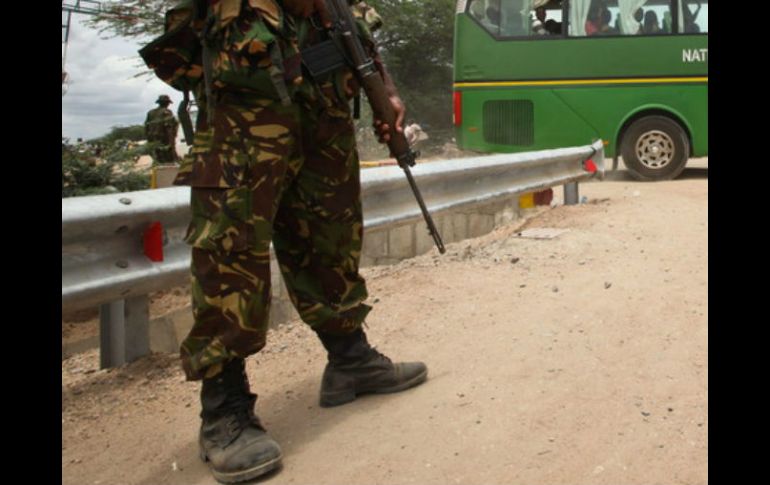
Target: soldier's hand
point(382, 130)
point(306, 8)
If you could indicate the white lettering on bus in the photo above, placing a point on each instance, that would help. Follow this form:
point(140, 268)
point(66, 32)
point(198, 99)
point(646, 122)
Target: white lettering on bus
point(695, 55)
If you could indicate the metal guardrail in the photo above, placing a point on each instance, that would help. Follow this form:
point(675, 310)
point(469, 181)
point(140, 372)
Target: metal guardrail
point(451, 184)
point(103, 262)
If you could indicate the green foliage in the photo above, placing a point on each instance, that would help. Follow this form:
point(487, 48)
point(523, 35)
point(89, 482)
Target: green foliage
point(131, 18)
point(129, 133)
point(105, 164)
point(415, 42)
point(416, 45)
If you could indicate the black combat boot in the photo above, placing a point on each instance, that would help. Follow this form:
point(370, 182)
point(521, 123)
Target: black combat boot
point(232, 440)
point(356, 368)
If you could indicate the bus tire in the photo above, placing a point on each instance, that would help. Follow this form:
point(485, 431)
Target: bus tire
point(655, 148)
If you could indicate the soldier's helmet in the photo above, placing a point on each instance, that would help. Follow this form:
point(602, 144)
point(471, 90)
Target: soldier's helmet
point(163, 99)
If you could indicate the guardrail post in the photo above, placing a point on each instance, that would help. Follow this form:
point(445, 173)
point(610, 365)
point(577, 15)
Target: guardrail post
point(571, 193)
point(124, 331)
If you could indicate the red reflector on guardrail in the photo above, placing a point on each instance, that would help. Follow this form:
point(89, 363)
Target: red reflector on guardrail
point(153, 242)
point(589, 166)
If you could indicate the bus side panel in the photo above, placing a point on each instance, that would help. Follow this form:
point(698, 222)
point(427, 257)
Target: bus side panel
point(479, 57)
point(609, 107)
point(554, 123)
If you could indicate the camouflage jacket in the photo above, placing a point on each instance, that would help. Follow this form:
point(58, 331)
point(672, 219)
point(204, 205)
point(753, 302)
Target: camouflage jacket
point(161, 125)
point(251, 43)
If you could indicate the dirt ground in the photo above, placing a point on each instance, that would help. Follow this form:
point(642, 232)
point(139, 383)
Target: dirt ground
point(81, 325)
point(581, 359)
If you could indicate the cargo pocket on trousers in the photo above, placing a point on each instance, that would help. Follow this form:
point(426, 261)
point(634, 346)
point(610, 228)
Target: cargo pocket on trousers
point(221, 219)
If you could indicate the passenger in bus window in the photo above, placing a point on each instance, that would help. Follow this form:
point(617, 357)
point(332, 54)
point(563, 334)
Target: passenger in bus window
point(667, 22)
point(651, 26)
point(598, 22)
point(639, 17)
point(538, 25)
point(542, 26)
point(553, 27)
point(593, 20)
point(493, 16)
point(604, 22)
point(690, 27)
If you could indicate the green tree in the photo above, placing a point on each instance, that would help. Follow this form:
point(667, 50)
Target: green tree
point(131, 18)
point(105, 164)
point(416, 44)
point(128, 133)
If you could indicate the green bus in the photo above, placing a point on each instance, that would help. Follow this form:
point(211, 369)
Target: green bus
point(541, 74)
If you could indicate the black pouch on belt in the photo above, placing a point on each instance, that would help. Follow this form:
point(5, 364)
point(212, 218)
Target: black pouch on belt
point(322, 58)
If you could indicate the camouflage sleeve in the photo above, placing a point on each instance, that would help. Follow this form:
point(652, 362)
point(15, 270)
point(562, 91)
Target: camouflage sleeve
point(170, 125)
point(175, 56)
point(368, 22)
point(173, 128)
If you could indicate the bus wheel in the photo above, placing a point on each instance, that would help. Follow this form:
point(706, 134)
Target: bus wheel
point(655, 148)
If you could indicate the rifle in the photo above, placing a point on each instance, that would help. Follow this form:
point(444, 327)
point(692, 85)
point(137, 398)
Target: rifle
point(184, 118)
point(344, 48)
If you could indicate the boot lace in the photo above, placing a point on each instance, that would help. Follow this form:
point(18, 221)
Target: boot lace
point(377, 355)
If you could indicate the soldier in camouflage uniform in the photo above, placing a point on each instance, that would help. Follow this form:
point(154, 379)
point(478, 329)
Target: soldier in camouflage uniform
point(274, 160)
point(161, 127)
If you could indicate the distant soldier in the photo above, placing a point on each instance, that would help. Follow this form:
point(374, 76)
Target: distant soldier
point(161, 127)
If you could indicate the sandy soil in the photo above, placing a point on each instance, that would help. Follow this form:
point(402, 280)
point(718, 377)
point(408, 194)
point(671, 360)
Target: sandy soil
point(580, 359)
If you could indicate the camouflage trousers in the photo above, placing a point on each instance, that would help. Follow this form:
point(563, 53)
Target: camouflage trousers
point(287, 174)
point(165, 149)
point(165, 154)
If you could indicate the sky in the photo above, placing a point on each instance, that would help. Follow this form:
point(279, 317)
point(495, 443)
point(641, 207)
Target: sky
point(103, 92)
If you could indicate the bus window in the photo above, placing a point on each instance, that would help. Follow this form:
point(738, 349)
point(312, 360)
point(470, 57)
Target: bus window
point(619, 17)
point(694, 16)
point(486, 13)
point(545, 17)
point(512, 20)
point(517, 18)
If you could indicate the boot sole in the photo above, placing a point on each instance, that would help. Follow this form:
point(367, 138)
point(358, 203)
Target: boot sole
point(244, 475)
point(329, 400)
